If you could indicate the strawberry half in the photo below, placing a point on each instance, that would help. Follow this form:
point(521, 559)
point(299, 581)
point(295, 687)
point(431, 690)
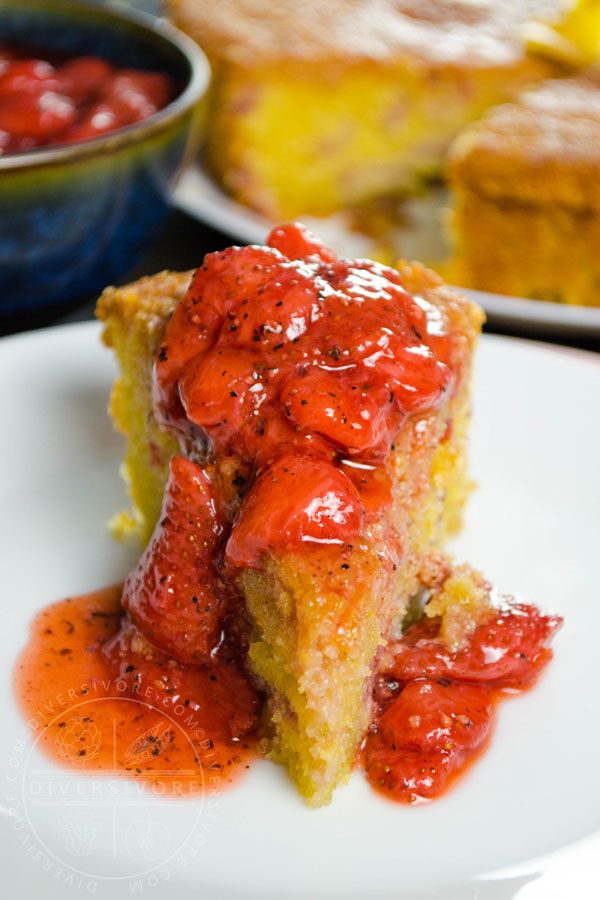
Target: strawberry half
point(174, 595)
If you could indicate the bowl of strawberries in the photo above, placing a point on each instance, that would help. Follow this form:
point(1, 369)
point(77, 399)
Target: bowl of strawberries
point(98, 109)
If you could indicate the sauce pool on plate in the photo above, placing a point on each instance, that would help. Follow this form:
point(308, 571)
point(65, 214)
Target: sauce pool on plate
point(297, 369)
point(90, 712)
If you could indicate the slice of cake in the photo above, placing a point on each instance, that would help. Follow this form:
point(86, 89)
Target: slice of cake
point(311, 415)
point(526, 216)
point(361, 96)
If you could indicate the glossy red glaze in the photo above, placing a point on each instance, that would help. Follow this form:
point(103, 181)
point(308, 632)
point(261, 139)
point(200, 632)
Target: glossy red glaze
point(436, 707)
point(297, 242)
point(96, 705)
point(321, 506)
point(174, 595)
point(286, 351)
point(85, 77)
point(42, 103)
point(425, 735)
point(509, 650)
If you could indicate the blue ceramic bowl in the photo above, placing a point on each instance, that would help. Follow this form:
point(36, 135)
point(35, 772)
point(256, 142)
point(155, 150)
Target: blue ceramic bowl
point(73, 217)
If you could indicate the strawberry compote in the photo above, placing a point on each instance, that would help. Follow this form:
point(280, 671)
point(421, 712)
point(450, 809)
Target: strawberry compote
point(435, 706)
point(303, 367)
point(47, 101)
point(296, 369)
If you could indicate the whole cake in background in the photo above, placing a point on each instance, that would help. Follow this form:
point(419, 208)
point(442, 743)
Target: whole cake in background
point(364, 99)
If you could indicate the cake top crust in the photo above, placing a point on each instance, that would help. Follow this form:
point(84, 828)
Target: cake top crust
point(543, 148)
point(480, 33)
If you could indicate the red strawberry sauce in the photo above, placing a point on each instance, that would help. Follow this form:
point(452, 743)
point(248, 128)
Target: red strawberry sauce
point(435, 707)
point(45, 102)
point(298, 368)
point(95, 706)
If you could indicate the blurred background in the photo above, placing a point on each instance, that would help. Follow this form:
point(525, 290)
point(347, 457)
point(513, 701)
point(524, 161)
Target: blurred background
point(465, 134)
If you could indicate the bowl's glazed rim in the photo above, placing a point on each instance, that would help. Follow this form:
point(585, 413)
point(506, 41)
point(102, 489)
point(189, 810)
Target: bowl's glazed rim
point(130, 134)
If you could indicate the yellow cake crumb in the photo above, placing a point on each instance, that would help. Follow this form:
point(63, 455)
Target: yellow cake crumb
point(463, 603)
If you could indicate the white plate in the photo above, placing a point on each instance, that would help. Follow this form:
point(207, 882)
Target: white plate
point(199, 196)
point(525, 820)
